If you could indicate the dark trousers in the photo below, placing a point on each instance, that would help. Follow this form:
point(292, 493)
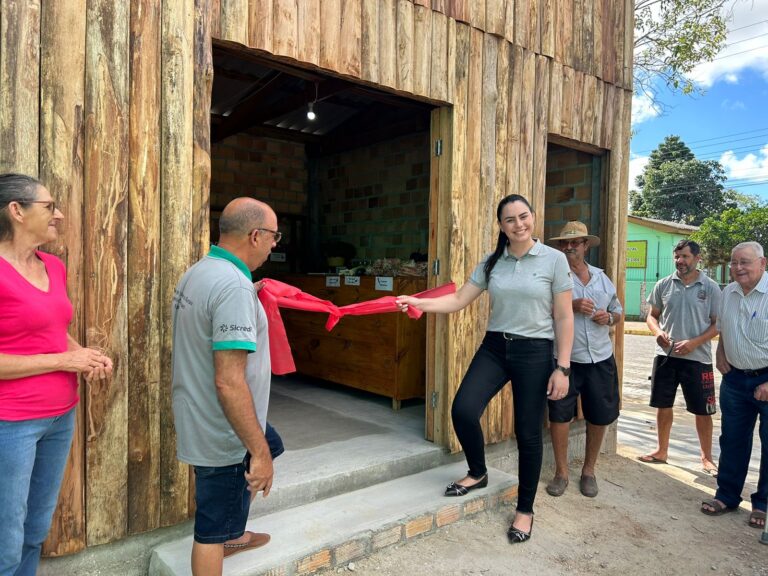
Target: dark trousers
point(528, 364)
point(739, 411)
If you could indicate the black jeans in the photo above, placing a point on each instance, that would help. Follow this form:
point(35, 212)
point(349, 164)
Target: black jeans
point(528, 364)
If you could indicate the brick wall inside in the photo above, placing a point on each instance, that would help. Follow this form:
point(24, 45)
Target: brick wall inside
point(377, 197)
point(264, 168)
point(569, 190)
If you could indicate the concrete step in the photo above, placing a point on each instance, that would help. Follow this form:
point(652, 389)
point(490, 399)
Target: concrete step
point(332, 532)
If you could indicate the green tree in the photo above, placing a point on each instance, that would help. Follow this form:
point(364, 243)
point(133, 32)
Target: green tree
point(671, 38)
point(719, 233)
point(675, 186)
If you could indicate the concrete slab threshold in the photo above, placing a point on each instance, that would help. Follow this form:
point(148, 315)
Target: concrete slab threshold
point(332, 532)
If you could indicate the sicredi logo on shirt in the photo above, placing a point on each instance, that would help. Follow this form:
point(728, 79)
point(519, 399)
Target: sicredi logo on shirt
point(225, 328)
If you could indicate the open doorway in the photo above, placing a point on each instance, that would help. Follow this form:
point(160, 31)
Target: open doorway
point(351, 188)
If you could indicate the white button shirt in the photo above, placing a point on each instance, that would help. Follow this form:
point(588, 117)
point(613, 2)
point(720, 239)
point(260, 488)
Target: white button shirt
point(743, 324)
point(592, 341)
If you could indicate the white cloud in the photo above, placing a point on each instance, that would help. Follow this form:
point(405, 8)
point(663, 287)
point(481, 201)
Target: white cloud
point(636, 165)
point(747, 46)
point(643, 109)
point(728, 104)
point(752, 167)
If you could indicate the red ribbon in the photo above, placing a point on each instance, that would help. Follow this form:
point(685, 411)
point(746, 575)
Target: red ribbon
point(275, 295)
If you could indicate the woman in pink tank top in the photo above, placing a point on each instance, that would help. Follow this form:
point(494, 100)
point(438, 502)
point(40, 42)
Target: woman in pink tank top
point(39, 364)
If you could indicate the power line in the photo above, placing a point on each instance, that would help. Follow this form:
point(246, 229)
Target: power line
point(747, 26)
point(729, 44)
point(734, 140)
point(739, 53)
point(723, 137)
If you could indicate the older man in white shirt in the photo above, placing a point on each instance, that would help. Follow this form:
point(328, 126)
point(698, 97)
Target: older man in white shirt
point(593, 376)
point(742, 358)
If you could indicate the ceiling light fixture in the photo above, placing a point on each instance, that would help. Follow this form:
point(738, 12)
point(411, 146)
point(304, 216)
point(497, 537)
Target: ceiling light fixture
point(311, 106)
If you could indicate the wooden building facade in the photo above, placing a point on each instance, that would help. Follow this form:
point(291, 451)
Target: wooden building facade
point(108, 103)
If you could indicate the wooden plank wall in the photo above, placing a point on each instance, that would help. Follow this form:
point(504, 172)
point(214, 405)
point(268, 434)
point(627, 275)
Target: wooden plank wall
point(83, 106)
point(125, 149)
point(513, 72)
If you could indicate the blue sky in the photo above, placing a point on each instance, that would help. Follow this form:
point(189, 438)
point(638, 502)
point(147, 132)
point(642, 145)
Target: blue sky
point(729, 122)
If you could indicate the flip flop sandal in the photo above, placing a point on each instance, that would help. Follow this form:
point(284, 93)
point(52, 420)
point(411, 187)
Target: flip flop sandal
point(718, 508)
point(757, 519)
point(710, 472)
point(255, 540)
point(649, 459)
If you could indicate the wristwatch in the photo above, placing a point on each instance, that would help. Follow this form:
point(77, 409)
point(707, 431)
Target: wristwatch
point(563, 369)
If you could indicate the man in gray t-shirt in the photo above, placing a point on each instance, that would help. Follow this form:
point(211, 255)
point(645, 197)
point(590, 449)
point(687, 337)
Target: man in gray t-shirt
point(684, 308)
point(221, 379)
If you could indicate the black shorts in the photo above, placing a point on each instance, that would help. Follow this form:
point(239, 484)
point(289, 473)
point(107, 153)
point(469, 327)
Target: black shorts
point(697, 380)
point(598, 385)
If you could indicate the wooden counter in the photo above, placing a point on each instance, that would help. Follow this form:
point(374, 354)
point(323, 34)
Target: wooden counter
point(381, 353)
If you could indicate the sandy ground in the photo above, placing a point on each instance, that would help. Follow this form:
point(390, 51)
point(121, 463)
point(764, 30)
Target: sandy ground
point(645, 520)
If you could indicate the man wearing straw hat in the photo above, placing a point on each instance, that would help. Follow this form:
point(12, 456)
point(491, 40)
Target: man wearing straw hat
point(593, 369)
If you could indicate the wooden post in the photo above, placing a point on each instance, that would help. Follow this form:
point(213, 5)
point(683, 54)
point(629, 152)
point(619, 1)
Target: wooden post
point(454, 346)
point(439, 88)
point(513, 114)
point(422, 49)
point(62, 94)
point(527, 119)
point(308, 49)
point(259, 20)
point(351, 35)
point(404, 45)
point(144, 270)
point(330, 32)
point(285, 26)
point(388, 42)
point(201, 130)
point(177, 185)
point(369, 66)
point(107, 65)
point(540, 129)
point(234, 20)
point(19, 86)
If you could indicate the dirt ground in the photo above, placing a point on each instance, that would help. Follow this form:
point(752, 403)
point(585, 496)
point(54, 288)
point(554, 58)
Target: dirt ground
point(645, 520)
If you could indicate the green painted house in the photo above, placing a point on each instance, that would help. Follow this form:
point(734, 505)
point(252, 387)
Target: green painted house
point(650, 244)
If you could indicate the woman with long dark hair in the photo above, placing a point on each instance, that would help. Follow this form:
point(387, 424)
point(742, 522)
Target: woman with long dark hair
point(530, 289)
point(39, 363)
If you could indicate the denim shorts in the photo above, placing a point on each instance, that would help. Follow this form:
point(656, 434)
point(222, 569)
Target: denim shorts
point(222, 499)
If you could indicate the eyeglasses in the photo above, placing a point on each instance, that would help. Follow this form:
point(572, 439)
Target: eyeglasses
point(278, 235)
point(741, 263)
point(51, 204)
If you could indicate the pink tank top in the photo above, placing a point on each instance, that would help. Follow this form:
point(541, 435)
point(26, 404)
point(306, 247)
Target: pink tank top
point(35, 322)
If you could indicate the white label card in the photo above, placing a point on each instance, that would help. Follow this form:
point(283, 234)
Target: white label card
point(332, 281)
point(352, 280)
point(385, 283)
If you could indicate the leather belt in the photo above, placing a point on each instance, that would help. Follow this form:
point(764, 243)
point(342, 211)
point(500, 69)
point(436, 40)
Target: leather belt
point(758, 372)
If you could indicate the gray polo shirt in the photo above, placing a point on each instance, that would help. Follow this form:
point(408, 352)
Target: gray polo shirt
point(215, 308)
point(686, 311)
point(591, 341)
point(743, 323)
point(521, 290)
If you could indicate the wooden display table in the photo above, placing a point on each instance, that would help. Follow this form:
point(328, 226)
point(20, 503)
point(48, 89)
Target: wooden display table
point(381, 353)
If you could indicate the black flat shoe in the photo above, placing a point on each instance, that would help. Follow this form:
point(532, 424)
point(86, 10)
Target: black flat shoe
point(517, 536)
point(454, 489)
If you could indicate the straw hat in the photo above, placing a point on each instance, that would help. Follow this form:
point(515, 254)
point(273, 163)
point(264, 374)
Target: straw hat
point(574, 230)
